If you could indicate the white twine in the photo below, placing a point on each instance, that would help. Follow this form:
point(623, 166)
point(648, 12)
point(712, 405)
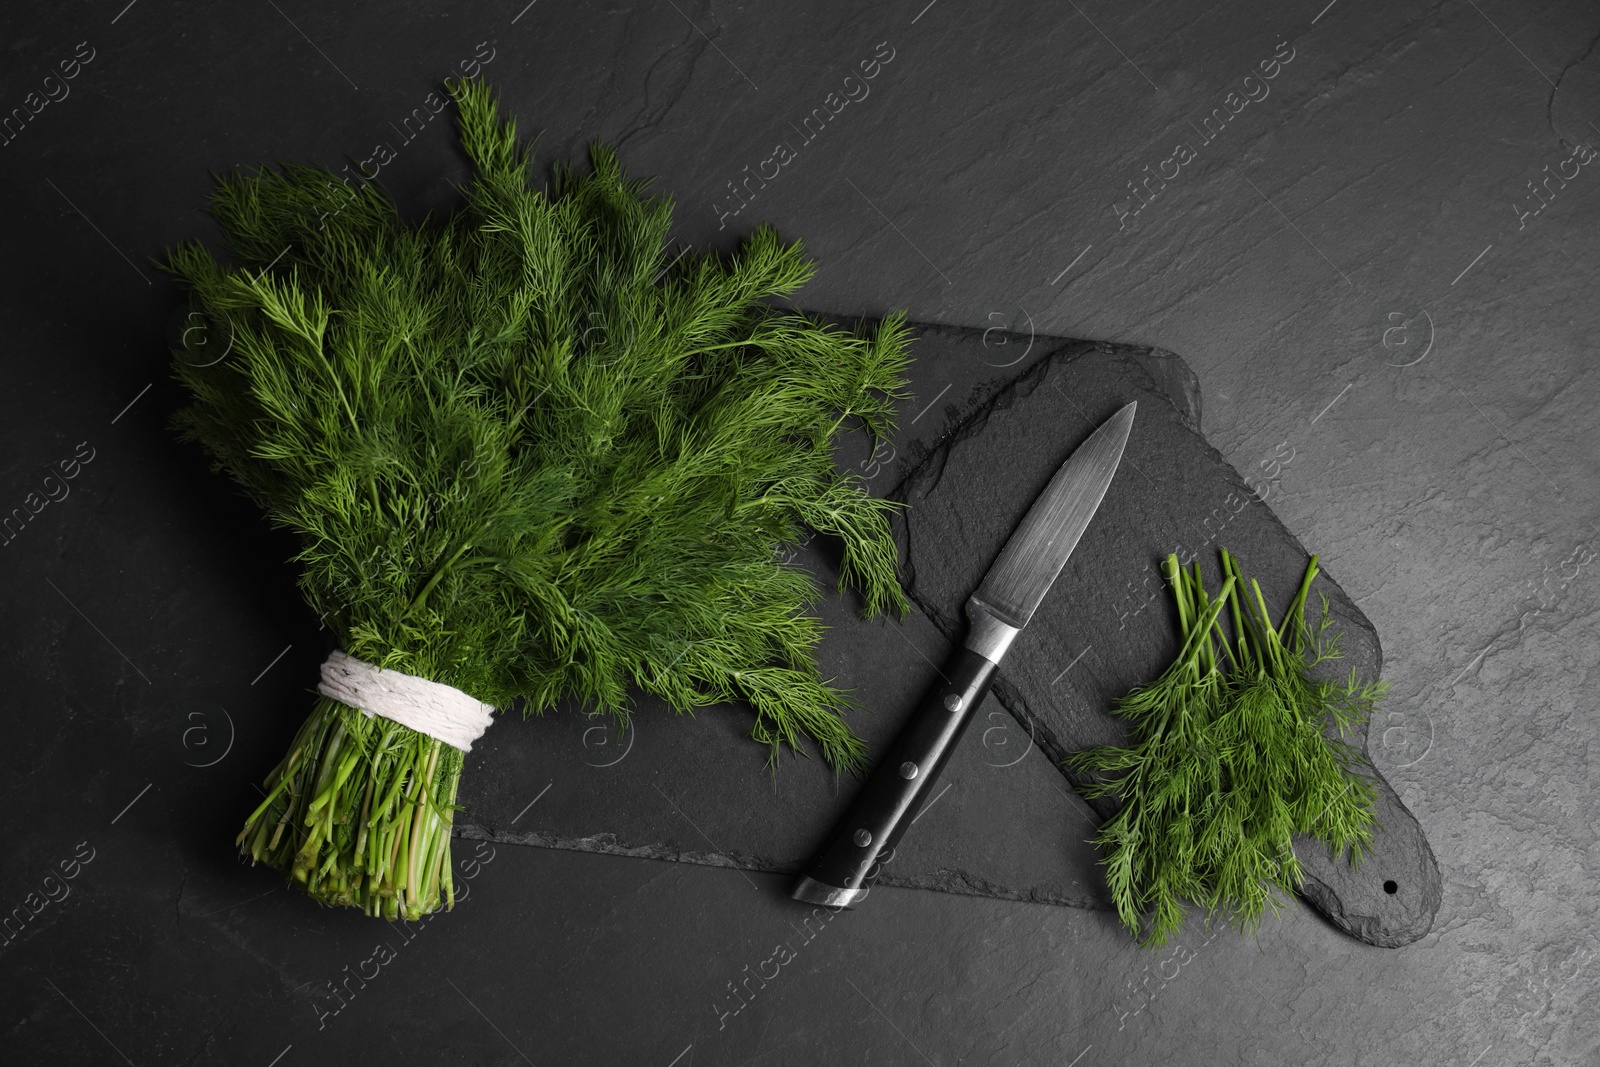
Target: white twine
point(431, 708)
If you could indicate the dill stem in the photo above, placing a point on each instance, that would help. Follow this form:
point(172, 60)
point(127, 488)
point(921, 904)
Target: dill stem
point(366, 804)
point(1208, 652)
point(1241, 630)
point(1294, 620)
point(333, 376)
point(394, 789)
point(437, 575)
point(838, 422)
point(449, 886)
point(327, 795)
point(285, 773)
point(725, 344)
point(419, 824)
point(1266, 617)
point(396, 838)
point(1175, 578)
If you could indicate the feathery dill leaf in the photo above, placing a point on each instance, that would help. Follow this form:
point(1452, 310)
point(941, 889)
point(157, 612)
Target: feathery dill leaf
point(1228, 759)
point(527, 452)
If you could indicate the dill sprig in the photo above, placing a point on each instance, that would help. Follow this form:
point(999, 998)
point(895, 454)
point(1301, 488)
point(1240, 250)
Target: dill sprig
point(1228, 759)
point(527, 453)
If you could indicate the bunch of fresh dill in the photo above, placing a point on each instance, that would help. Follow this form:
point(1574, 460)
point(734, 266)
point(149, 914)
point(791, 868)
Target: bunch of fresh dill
point(1229, 759)
point(525, 454)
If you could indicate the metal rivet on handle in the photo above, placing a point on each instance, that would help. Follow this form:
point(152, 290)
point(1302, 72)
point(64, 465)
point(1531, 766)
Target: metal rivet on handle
point(863, 838)
point(952, 702)
point(908, 770)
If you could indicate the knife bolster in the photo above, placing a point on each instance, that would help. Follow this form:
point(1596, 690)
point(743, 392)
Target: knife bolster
point(811, 891)
point(987, 635)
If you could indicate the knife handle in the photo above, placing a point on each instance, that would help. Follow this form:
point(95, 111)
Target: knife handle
point(899, 786)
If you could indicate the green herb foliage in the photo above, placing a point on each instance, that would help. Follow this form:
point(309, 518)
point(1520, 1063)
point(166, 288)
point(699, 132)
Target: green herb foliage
point(528, 452)
point(1228, 759)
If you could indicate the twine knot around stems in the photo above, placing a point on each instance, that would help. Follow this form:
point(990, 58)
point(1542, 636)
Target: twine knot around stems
point(428, 707)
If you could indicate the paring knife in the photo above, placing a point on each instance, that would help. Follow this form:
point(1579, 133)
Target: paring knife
point(1016, 582)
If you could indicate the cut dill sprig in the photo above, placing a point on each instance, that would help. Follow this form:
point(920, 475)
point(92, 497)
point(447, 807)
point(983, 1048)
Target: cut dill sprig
point(1228, 759)
point(527, 452)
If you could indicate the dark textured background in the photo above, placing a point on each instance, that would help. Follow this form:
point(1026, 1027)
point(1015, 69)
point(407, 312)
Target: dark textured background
point(1390, 341)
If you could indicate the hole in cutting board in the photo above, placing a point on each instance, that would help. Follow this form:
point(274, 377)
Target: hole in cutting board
point(1391, 887)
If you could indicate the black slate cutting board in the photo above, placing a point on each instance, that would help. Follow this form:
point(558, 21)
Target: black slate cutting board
point(1107, 626)
point(1004, 821)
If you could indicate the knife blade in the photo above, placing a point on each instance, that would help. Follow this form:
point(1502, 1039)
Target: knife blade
point(997, 612)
